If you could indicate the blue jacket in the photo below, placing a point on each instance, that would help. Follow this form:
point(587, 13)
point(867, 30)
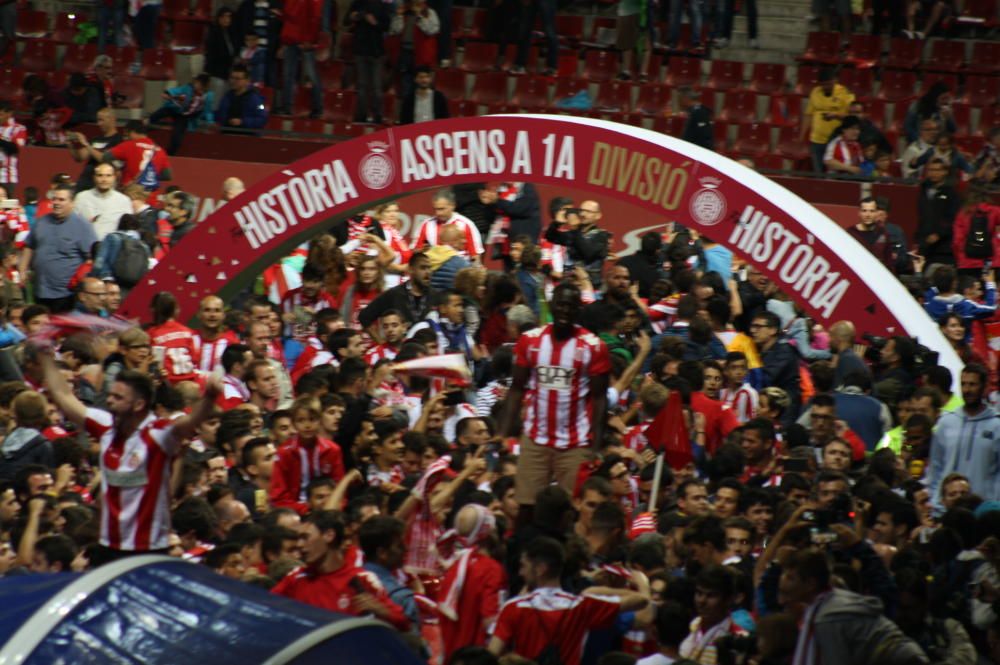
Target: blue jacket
point(937, 306)
point(443, 278)
point(969, 445)
point(207, 114)
point(254, 110)
point(866, 416)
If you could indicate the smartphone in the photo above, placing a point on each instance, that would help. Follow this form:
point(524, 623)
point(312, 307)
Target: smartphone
point(454, 397)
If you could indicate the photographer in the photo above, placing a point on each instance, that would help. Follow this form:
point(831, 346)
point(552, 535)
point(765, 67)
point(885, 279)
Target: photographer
point(587, 244)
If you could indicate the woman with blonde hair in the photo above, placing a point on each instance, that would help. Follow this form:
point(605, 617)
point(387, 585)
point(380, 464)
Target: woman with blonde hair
point(367, 282)
point(471, 283)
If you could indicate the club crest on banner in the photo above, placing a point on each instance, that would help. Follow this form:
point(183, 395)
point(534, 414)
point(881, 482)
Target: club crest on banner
point(708, 205)
point(376, 170)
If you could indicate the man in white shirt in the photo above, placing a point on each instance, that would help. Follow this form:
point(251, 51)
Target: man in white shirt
point(929, 130)
point(103, 206)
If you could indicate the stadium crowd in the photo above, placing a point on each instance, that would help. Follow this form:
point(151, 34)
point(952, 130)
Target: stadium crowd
point(382, 425)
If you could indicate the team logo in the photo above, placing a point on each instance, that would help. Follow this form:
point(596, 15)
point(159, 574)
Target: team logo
point(344, 602)
point(708, 205)
point(376, 169)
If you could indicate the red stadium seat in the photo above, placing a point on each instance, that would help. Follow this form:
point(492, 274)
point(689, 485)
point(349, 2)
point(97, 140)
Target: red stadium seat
point(479, 57)
point(309, 126)
point(654, 68)
point(821, 48)
point(614, 96)
point(978, 14)
point(566, 88)
point(753, 139)
point(725, 75)
point(121, 54)
point(897, 119)
point(767, 78)
point(275, 123)
point(790, 146)
point(338, 105)
point(132, 90)
point(897, 86)
point(946, 56)
point(739, 107)
point(683, 71)
point(31, 23)
point(451, 83)
point(490, 90)
point(654, 100)
point(981, 90)
point(302, 104)
point(930, 78)
point(806, 79)
point(784, 111)
point(568, 64)
point(569, 27)
point(78, 58)
point(157, 64)
point(859, 81)
point(67, 27)
point(970, 145)
point(38, 56)
point(600, 65)
point(904, 54)
point(331, 74)
point(672, 125)
point(876, 110)
point(605, 23)
point(461, 108)
point(961, 114)
point(478, 22)
point(57, 78)
point(531, 93)
point(769, 162)
point(188, 36)
point(864, 51)
point(347, 129)
point(176, 10)
point(985, 58)
point(989, 118)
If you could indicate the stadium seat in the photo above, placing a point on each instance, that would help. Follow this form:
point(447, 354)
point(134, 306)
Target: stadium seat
point(490, 90)
point(897, 86)
point(985, 58)
point(338, 105)
point(276, 123)
point(672, 125)
point(654, 68)
point(121, 54)
point(989, 117)
point(132, 90)
point(600, 25)
point(683, 71)
point(56, 78)
point(567, 65)
point(961, 114)
point(569, 28)
point(753, 139)
point(790, 146)
point(614, 96)
point(769, 162)
point(459, 23)
point(784, 111)
point(806, 79)
point(739, 107)
point(176, 10)
point(981, 90)
point(654, 100)
point(768, 78)
point(904, 54)
point(202, 11)
point(600, 65)
point(859, 81)
point(38, 56)
point(930, 78)
point(31, 23)
point(864, 51)
point(347, 129)
point(462, 108)
point(822, 48)
point(970, 145)
point(302, 104)
point(331, 74)
point(67, 27)
point(531, 93)
point(896, 121)
point(157, 64)
point(479, 57)
point(309, 126)
point(78, 58)
point(876, 110)
point(477, 27)
point(566, 88)
point(725, 75)
point(946, 56)
point(980, 14)
point(188, 36)
point(451, 83)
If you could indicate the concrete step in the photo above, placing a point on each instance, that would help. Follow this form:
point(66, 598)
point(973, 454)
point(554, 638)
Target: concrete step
point(748, 55)
point(772, 24)
point(787, 42)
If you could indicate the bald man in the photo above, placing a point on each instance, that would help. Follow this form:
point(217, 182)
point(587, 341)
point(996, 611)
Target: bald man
point(587, 244)
point(91, 297)
point(447, 257)
point(212, 334)
point(842, 335)
point(231, 188)
point(470, 595)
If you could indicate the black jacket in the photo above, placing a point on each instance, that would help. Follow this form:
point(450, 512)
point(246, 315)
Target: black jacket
point(369, 40)
point(644, 269)
point(221, 49)
point(406, 110)
point(588, 248)
point(936, 210)
point(698, 128)
point(400, 299)
point(781, 369)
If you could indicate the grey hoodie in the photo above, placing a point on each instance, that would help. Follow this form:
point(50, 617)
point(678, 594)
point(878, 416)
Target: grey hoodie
point(850, 629)
point(23, 446)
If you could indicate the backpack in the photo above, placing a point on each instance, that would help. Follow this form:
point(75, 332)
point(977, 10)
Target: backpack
point(132, 262)
point(978, 244)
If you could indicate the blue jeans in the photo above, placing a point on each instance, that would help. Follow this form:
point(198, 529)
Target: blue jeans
point(109, 26)
point(144, 26)
point(817, 151)
point(293, 54)
point(547, 10)
point(695, 11)
point(443, 9)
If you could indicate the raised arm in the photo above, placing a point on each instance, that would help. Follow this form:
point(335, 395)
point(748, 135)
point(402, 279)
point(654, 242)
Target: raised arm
point(60, 391)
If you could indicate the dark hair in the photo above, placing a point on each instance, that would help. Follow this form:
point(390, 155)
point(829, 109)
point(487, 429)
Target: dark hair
point(692, 372)
point(339, 339)
point(717, 579)
point(327, 520)
point(216, 557)
point(470, 655)
point(978, 370)
point(164, 306)
point(671, 623)
point(141, 384)
point(547, 551)
point(756, 496)
point(57, 549)
point(275, 536)
point(810, 565)
point(706, 530)
point(379, 532)
point(234, 353)
point(762, 426)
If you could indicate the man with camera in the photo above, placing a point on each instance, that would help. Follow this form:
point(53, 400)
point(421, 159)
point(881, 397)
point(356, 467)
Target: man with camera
point(586, 242)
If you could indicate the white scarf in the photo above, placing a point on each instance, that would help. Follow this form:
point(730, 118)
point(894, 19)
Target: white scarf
point(806, 648)
point(484, 526)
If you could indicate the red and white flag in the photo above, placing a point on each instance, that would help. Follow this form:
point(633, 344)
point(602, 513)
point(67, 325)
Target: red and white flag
point(643, 523)
point(451, 366)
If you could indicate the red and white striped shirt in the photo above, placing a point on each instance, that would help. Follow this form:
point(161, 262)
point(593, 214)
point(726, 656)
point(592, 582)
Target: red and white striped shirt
point(844, 151)
point(635, 437)
point(662, 314)
point(743, 401)
point(553, 256)
point(398, 243)
point(380, 352)
point(17, 134)
point(135, 481)
point(210, 353)
point(558, 397)
point(296, 302)
point(427, 234)
point(234, 393)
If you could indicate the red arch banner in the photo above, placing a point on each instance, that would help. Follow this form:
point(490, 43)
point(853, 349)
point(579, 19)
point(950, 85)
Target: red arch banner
point(812, 259)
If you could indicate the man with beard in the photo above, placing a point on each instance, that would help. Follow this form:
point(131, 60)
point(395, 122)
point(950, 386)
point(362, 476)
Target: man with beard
point(965, 440)
point(411, 298)
point(393, 333)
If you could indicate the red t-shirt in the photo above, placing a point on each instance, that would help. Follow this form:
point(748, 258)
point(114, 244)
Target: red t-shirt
point(478, 603)
point(142, 162)
point(176, 348)
point(527, 624)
